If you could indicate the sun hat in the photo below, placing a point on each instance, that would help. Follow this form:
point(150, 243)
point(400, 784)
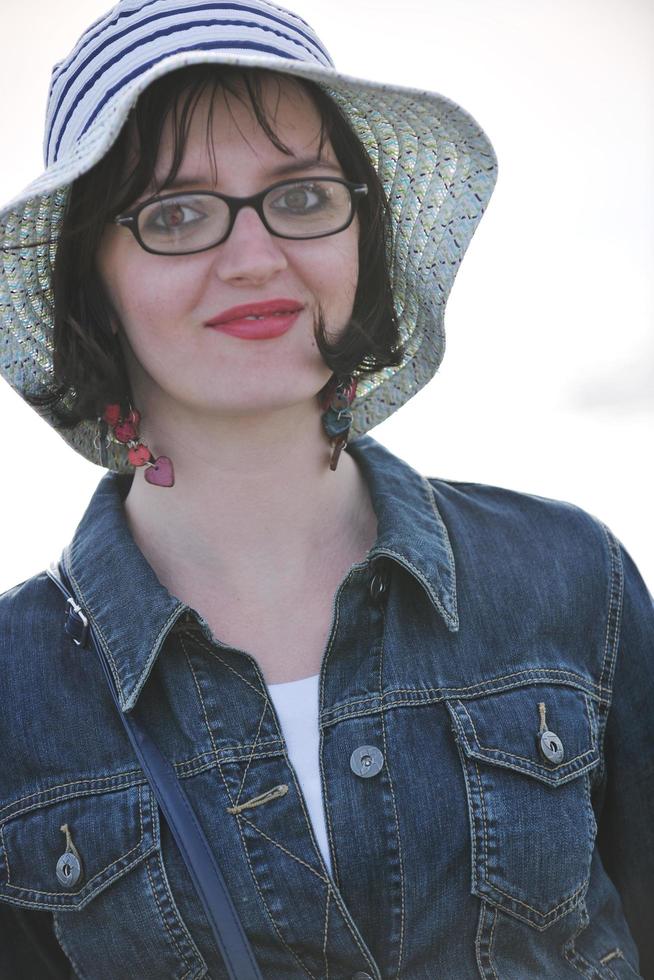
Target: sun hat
point(436, 164)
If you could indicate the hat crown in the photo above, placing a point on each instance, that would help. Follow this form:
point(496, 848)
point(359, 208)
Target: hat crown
point(135, 36)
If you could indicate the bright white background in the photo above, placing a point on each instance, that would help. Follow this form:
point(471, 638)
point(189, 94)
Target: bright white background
point(548, 382)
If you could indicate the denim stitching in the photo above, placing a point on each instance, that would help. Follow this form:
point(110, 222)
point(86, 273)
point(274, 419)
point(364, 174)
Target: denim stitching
point(483, 821)
point(397, 825)
point(202, 642)
point(403, 560)
point(233, 802)
point(177, 918)
point(548, 916)
point(281, 847)
point(239, 817)
point(503, 759)
point(266, 706)
point(210, 754)
point(616, 954)
point(430, 493)
point(250, 757)
point(91, 880)
point(4, 850)
point(491, 940)
point(474, 883)
point(160, 638)
point(471, 809)
point(59, 936)
point(41, 799)
point(445, 540)
point(488, 912)
point(615, 609)
point(322, 878)
point(81, 597)
point(323, 779)
point(569, 951)
point(514, 755)
point(424, 694)
point(590, 816)
point(479, 935)
point(166, 926)
point(544, 916)
point(199, 693)
point(217, 761)
point(615, 604)
point(592, 719)
point(324, 936)
point(254, 744)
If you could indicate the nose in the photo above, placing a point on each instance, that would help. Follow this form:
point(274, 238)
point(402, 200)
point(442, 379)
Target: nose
point(250, 254)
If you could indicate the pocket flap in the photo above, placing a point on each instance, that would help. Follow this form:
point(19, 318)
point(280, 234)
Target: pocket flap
point(506, 729)
point(110, 832)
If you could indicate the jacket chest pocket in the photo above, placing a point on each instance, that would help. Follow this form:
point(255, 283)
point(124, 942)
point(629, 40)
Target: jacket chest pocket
point(94, 860)
point(526, 755)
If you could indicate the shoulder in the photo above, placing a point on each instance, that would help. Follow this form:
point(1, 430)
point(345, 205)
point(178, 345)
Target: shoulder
point(32, 605)
point(511, 520)
point(34, 650)
point(541, 559)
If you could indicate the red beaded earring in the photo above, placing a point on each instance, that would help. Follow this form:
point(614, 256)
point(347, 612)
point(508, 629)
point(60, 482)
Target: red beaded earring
point(125, 430)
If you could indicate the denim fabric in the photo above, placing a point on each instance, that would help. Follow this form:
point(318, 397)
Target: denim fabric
point(480, 619)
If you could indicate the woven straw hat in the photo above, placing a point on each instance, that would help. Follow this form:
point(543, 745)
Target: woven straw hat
point(436, 164)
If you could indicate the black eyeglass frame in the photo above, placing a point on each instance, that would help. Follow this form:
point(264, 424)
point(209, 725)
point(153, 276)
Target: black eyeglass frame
point(129, 219)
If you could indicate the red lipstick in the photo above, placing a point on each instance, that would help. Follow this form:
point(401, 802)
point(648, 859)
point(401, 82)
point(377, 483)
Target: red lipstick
point(258, 321)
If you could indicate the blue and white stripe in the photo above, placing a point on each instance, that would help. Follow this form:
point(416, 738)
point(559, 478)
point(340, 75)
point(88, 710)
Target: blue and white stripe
point(136, 35)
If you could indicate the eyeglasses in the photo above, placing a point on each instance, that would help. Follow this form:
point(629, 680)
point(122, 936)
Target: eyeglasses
point(193, 221)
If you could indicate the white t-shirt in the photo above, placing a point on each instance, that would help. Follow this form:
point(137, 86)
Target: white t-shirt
point(296, 703)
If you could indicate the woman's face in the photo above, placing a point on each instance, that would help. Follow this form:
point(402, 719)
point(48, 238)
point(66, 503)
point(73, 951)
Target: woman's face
point(164, 302)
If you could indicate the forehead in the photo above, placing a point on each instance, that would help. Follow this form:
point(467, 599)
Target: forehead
point(224, 132)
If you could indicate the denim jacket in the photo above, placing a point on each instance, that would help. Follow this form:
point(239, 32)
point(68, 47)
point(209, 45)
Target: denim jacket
point(493, 658)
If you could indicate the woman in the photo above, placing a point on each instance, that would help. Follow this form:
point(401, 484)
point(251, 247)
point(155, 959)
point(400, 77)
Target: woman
point(410, 715)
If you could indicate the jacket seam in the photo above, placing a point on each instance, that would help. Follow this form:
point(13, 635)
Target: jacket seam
point(613, 632)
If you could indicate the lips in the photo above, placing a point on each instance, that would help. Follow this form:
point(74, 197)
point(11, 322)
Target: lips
point(272, 307)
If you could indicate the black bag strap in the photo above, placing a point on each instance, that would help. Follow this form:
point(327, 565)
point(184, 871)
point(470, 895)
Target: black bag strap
point(205, 873)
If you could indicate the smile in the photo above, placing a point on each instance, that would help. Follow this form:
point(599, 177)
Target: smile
point(259, 327)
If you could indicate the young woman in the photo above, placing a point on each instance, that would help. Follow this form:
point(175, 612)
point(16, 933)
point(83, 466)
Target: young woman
point(411, 716)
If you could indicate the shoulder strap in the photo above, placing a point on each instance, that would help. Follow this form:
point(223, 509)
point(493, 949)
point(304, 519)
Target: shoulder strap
point(205, 873)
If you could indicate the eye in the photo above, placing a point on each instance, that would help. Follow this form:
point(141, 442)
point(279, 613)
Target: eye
point(302, 198)
point(172, 214)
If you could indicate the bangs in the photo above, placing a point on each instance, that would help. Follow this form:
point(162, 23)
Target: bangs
point(173, 99)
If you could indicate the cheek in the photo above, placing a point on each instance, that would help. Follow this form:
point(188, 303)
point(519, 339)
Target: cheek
point(333, 272)
point(145, 298)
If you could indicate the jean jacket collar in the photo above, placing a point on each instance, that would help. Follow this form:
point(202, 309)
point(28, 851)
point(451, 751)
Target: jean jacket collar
point(132, 613)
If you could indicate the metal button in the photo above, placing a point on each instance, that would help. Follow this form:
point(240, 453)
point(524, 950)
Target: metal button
point(68, 870)
point(366, 761)
point(550, 746)
point(379, 585)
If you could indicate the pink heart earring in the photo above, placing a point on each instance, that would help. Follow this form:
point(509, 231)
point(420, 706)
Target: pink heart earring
point(125, 430)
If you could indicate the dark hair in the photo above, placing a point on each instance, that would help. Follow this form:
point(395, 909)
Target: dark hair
point(89, 368)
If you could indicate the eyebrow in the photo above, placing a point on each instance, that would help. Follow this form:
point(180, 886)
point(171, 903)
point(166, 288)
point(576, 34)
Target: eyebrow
point(289, 167)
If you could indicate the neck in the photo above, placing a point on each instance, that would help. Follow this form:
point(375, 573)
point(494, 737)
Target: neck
point(255, 509)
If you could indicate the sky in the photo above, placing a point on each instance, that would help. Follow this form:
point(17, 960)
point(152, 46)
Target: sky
point(547, 385)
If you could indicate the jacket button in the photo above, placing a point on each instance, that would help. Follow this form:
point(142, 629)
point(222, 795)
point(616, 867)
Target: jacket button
point(379, 585)
point(366, 761)
point(551, 746)
point(68, 870)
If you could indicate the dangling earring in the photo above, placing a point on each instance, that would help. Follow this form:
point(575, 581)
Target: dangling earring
point(336, 399)
point(125, 430)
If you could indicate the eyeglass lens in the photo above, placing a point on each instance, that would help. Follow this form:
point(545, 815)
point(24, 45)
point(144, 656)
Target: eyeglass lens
point(195, 220)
